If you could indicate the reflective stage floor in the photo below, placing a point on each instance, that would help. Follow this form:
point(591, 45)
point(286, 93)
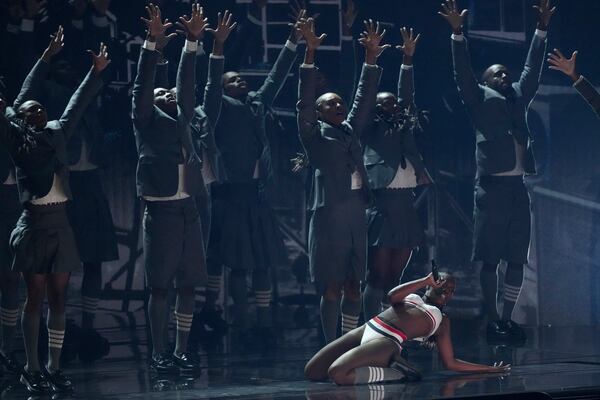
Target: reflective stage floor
point(558, 361)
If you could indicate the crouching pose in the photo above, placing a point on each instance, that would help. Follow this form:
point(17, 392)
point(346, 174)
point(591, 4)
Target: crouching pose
point(371, 353)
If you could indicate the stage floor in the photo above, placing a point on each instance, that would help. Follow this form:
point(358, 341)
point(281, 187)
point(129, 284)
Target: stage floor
point(554, 360)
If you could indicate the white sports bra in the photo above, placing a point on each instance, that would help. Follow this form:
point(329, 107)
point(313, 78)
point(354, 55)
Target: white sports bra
point(432, 312)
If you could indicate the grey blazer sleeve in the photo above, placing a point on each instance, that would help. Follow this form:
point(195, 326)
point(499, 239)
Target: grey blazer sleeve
point(364, 100)
point(347, 71)
point(276, 78)
point(589, 93)
point(468, 87)
point(308, 126)
point(186, 83)
point(213, 91)
point(33, 84)
point(406, 86)
point(143, 86)
point(530, 77)
point(81, 99)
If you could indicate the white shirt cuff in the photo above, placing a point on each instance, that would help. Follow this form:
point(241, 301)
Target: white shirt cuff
point(370, 65)
point(149, 45)
point(27, 25)
point(541, 34)
point(191, 46)
point(217, 56)
point(458, 38)
point(291, 46)
point(347, 37)
point(406, 67)
point(578, 81)
point(307, 65)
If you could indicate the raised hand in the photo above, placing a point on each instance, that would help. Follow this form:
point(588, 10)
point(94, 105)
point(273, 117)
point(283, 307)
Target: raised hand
point(567, 66)
point(33, 7)
point(224, 27)
point(348, 17)
point(163, 40)
point(409, 41)
point(308, 31)
point(371, 41)
point(297, 14)
point(500, 367)
point(154, 24)
point(194, 26)
point(430, 281)
point(55, 46)
point(100, 61)
point(451, 14)
point(544, 14)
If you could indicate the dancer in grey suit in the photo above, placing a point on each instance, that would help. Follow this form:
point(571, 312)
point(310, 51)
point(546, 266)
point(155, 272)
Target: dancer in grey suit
point(498, 108)
point(330, 136)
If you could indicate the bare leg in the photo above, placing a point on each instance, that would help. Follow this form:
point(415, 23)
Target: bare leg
point(367, 363)
point(378, 266)
point(316, 369)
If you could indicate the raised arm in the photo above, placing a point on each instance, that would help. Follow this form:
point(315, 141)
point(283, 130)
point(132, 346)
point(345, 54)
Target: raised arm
point(213, 91)
point(468, 87)
point(568, 66)
point(186, 73)
point(85, 93)
point(308, 126)
point(32, 86)
point(366, 93)
point(348, 74)
point(161, 76)
point(278, 74)
point(143, 85)
point(399, 293)
point(446, 353)
point(406, 85)
point(530, 77)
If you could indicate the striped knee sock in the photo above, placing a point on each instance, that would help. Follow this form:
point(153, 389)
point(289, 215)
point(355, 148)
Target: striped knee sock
point(55, 343)
point(263, 307)
point(184, 326)
point(213, 288)
point(8, 320)
point(350, 314)
point(376, 374)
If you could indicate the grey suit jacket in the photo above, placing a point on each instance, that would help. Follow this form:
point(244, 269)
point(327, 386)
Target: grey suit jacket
point(498, 119)
point(335, 152)
point(385, 145)
point(589, 93)
point(40, 155)
point(161, 138)
point(240, 132)
point(206, 116)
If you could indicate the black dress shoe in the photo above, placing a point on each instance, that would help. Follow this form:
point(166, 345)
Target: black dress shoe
point(163, 364)
point(10, 363)
point(497, 332)
point(411, 374)
point(517, 333)
point(186, 362)
point(34, 382)
point(58, 382)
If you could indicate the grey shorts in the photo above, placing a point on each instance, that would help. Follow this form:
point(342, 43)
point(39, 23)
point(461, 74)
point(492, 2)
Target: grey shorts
point(173, 245)
point(502, 219)
point(43, 241)
point(337, 241)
